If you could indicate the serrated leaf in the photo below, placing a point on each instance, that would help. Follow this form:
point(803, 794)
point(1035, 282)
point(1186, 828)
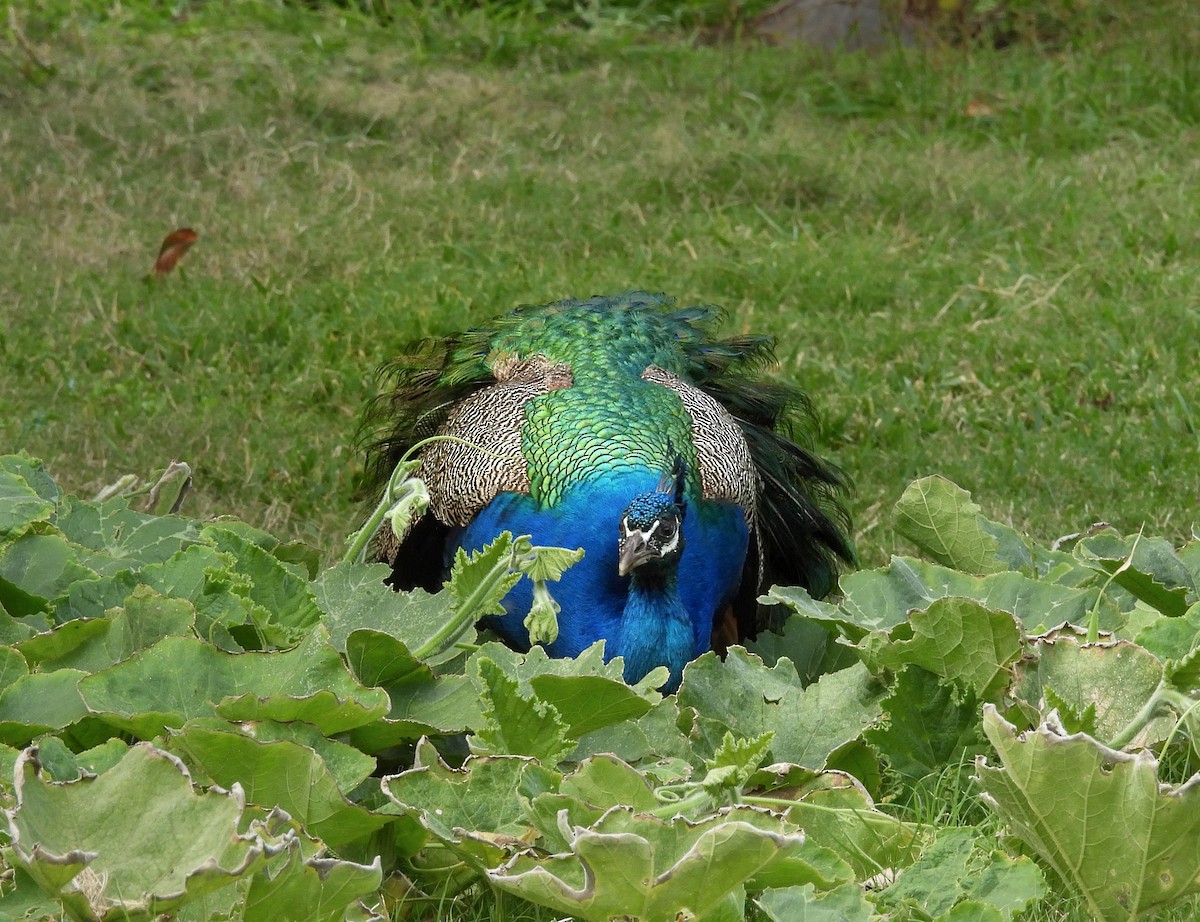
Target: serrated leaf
point(804, 904)
point(878, 600)
point(278, 773)
point(638, 867)
point(479, 581)
point(956, 638)
point(550, 563)
point(808, 723)
point(304, 889)
point(588, 692)
point(1148, 568)
point(1113, 679)
point(1099, 817)
point(110, 845)
point(36, 703)
point(285, 596)
point(939, 517)
point(517, 725)
point(928, 726)
point(180, 678)
point(946, 882)
point(123, 538)
point(20, 504)
point(354, 597)
point(837, 813)
point(476, 812)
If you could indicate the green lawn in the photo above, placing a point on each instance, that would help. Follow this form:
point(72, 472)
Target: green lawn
point(1012, 300)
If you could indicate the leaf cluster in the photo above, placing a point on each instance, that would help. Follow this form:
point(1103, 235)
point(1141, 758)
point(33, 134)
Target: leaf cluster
point(193, 720)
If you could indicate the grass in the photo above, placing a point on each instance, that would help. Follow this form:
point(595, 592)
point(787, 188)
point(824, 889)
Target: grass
point(1011, 299)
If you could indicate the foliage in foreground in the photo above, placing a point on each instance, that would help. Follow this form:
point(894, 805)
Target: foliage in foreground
point(197, 722)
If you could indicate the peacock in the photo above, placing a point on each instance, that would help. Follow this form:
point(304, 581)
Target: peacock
point(623, 426)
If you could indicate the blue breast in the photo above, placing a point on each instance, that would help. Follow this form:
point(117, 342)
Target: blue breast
point(657, 629)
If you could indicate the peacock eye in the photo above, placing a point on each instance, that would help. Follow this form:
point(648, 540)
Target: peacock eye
point(668, 529)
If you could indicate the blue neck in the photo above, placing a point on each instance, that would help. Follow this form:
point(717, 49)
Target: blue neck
point(655, 629)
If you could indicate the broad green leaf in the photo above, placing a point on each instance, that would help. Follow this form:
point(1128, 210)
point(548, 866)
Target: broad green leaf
point(1008, 885)
point(1099, 817)
point(878, 600)
point(813, 722)
point(20, 504)
point(12, 666)
point(1114, 680)
point(643, 869)
point(180, 678)
point(588, 692)
point(376, 658)
point(956, 638)
point(348, 766)
point(304, 889)
point(948, 874)
point(605, 781)
point(61, 641)
point(806, 642)
point(145, 618)
point(34, 473)
point(1172, 638)
point(278, 773)
point(740, 692)
point(354, 597)
point(587, 703)
point(804, 904)
point(206, 577)
point(654, 736)
point(808, 723)
point(584, 795)
point(122, 537)
point(110, 845)
point(940, 519)
point(1149, 568)
point(517, 725)
point(36, 703)
point(836, 812)
point(476, 812)
point(42, 567)
point(449, 704)
point(13, 631)
point(929, 726)
point(270, 584)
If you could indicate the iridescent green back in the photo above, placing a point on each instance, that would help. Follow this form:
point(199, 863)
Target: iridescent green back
point(610, 419)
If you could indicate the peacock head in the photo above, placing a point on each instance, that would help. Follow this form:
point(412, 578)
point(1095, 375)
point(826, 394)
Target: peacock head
point(652, 526)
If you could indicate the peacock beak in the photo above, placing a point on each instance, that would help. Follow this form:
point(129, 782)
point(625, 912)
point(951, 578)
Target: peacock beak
point(634, 552)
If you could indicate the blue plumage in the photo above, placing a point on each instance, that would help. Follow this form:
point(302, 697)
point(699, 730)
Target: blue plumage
point(619, 425)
